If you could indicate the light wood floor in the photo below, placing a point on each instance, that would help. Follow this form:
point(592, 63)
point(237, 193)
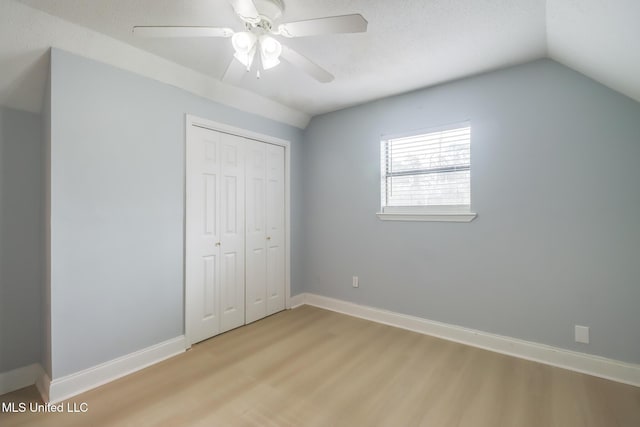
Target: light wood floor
point(311, 367)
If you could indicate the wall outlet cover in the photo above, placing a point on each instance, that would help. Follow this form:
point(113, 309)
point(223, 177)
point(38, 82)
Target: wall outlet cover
point(582, 334)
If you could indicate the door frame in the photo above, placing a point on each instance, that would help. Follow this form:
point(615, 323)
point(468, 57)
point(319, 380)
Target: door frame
point(190, 122)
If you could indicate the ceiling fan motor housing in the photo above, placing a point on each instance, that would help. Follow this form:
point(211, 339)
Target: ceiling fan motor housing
point(270, 9)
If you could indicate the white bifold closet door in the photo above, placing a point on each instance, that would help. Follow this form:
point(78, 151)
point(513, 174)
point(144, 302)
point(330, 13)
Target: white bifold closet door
point(235, 232)
point(265, 224)
point(215, 261)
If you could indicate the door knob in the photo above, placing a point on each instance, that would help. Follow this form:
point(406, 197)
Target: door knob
point(268, 237)
point(217, 243)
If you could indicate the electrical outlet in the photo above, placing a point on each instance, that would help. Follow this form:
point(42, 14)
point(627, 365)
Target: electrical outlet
point(582, 334)
point(355, 282)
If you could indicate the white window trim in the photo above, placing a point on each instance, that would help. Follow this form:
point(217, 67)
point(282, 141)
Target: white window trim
point(455, 213)
point(460, 213)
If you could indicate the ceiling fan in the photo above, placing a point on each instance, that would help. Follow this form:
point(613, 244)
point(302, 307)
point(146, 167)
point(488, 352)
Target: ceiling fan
point(258, 40)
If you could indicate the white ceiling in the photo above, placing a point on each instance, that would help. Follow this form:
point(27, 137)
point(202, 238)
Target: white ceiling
point(409, 44)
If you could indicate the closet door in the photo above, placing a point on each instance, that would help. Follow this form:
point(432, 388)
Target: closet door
point(232, 233)
point(275, 224)
point(265, 230)
point(235, 239)
point(214, 233)
point(256, 285)
point(202, 234)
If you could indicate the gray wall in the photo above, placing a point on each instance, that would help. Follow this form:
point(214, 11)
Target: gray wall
point(20, 239)
point(117, 190)
point(554, 182)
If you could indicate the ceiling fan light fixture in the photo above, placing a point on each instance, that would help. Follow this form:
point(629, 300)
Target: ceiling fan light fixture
point(258, 17)
point(243, 42)
point(270, 50)
point(246, 59)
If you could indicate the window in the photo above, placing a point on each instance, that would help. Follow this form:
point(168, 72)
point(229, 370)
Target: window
point(427, 177)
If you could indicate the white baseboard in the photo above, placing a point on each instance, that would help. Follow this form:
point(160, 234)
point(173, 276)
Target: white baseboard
point(43, 383)
point(297, 300)
point(20, 378)
point(611, 369)
point(63, 388)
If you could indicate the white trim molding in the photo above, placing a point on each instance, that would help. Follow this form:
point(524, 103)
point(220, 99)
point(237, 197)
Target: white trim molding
point(454, 213)
point(193, 120)
point(433, 217)
point(297, 300)
point(43, 383)
point(59, 389)
point(627, 373)
point(20, 377)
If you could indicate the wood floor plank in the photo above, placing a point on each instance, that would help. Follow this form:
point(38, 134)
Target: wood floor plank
point(312, 367)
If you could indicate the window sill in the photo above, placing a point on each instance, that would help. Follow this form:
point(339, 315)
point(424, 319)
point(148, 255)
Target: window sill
point(422, 216)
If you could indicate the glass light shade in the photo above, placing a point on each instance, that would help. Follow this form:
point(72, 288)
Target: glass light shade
point(245, 59)
point(270, 50)
point(244, 43)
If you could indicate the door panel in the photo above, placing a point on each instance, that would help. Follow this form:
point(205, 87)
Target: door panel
point(256, 286)
point(275, 224)
point(202, 260)
point(209, 286)
point(209, 205)
point(229, 283)
point(231, 205)
point(233, 234)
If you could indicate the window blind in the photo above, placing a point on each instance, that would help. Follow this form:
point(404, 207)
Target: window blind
point(431, 169)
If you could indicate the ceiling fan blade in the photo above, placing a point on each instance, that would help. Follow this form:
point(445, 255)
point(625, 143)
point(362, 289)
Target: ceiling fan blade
point(336, 24)
point(246, 10)
point(182, 32)
point(305, 64)
point(234, 73)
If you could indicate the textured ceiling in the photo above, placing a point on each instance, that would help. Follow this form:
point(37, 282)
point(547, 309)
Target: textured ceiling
point(409, 44)
point(599, 38)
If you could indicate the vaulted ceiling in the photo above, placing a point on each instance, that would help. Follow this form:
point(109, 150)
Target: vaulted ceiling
point(409, 44)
